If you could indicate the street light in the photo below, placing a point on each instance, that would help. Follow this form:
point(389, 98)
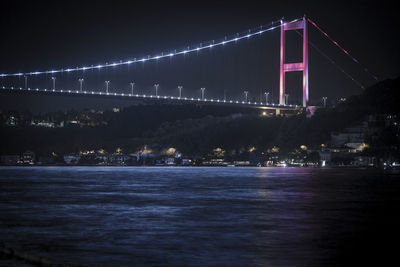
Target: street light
point(324, 100)
point(156, 86)
point(266, 97)
point(80, 83)
point(26, 81)
point(286, 99)
point(224, 95)
point(245, 95)
point(54, 83)
point(132, 84)
point(180, 90)
point(107, 82)
point(202, 92)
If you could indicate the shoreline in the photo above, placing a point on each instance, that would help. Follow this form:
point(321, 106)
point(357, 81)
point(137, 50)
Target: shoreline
point(199, 166)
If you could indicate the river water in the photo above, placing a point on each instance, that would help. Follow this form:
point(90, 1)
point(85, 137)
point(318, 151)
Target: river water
point(123, 216)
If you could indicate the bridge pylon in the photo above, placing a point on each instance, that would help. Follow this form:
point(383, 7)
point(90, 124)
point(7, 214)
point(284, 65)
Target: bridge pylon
point(299, 66)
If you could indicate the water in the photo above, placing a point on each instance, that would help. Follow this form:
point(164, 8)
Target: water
point(121, 216)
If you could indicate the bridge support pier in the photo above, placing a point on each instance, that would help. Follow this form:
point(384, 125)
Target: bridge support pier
point(277, 111)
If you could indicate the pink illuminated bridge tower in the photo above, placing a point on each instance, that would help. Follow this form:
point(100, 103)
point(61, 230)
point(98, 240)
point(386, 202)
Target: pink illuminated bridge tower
point(300, 66)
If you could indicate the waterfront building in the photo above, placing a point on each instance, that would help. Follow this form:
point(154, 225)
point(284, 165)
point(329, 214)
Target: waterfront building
point(72, 159)
point(28, 157)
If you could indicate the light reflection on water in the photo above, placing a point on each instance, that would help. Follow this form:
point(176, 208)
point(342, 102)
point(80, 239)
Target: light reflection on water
point(196, 216)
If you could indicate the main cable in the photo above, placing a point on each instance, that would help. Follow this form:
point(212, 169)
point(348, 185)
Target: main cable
point(343, 50)
point(333, 62)
point(189, 49)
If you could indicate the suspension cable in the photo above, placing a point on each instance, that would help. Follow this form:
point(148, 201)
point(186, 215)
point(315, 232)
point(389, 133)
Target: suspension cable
point(343, 50)
point(333, 62)
point(188, 49)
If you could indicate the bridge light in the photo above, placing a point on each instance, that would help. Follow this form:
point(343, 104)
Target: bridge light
point(156, 86)
point(180, 87)
point(200, 47)
point(202, 92)
point(107, 83)
point(80, 80)
point(54, 82)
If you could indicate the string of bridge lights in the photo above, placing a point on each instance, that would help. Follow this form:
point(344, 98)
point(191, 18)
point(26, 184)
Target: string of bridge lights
point(149, 96)
point(333, 62)
point(343, 50)
point(189, 49)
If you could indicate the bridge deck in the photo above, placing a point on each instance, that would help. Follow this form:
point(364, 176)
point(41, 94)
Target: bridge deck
point(259, 105)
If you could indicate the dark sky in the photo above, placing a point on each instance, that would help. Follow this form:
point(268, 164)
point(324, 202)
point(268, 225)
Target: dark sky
point(41, 36)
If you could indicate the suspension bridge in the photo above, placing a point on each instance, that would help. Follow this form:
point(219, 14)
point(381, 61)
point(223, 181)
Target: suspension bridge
point(300, 25)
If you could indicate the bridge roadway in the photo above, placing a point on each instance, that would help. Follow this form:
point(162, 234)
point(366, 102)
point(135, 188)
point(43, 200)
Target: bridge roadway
point(278, 109)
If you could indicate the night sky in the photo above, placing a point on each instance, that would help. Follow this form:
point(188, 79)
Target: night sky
point(41, 36)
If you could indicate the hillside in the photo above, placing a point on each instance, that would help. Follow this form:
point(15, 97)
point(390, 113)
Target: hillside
point(195, 130)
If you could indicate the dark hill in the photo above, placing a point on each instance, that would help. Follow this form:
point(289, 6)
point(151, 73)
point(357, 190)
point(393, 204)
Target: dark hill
point(195, 130)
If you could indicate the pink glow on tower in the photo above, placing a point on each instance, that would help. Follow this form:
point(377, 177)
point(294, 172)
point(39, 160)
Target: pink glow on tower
point(300, 66)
